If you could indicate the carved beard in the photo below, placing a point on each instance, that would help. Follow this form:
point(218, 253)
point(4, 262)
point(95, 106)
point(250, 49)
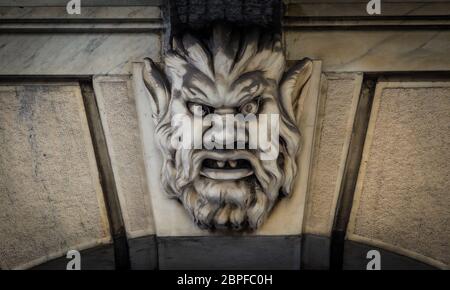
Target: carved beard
point(235, 204)
point(227, 204)
point(212, 203)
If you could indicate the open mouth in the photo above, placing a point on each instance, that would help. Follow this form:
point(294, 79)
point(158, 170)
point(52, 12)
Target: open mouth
point(226, 169)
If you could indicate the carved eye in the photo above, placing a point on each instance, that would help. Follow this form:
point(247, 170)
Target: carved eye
point(198, 109)
point(250, 107)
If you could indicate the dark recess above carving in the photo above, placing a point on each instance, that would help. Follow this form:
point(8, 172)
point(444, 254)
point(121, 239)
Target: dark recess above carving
point(198, 15)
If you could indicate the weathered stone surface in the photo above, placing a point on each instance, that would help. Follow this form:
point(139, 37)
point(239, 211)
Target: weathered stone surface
point(75, 53)
point(87, 13)
point(63, 3)
point(170, 217)
point(355, 258)
point(372, 50)
point(143, 253)
point(335, 122)
point(50, 196)
point(119, 118)
point(223, 186)
point(402, 200)
point(201, 13)
point(95, 258)
point(229, 253)
point(307, 8)
point(315, 252)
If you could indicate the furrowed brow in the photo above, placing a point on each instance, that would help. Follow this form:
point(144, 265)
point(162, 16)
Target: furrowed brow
point(193, 94)
point(247, 87)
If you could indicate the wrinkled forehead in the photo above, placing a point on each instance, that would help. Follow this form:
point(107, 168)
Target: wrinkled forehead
point(222, 91)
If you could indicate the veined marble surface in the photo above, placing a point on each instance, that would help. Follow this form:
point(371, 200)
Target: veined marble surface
point(128, 12)
point(382, 50)
point(308, 8)
point(75, 53)
point(27, 3)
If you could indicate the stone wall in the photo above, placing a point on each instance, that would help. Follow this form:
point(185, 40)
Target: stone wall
point(401, 201)
point(52, 200)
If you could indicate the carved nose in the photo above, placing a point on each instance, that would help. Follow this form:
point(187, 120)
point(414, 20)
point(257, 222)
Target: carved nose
point(227, 135)
point(222, 135)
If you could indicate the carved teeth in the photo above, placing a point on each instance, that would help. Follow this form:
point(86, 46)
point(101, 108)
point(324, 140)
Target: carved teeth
point(233, 163)
point(220, 164)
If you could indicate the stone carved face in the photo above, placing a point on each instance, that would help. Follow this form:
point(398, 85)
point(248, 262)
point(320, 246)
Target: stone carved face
point(229, 73)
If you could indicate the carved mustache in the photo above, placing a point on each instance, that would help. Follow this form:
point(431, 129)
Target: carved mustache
point(267, 173)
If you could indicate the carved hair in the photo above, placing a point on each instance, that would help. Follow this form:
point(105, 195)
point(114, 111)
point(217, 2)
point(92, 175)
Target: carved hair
point(226, 56)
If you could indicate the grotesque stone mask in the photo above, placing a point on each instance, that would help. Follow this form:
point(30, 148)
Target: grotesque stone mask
point(231, 73)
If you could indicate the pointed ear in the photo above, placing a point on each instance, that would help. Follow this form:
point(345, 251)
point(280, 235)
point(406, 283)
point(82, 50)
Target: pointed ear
point(292, 83)
point(157, 86)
